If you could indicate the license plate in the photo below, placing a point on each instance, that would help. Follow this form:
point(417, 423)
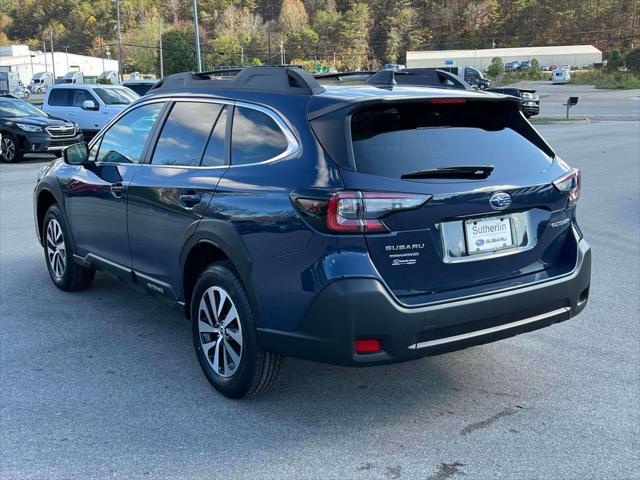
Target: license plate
point(488, 234)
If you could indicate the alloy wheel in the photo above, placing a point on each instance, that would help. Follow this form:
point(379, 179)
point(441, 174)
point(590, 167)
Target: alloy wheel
point(8, 149)
point(56, 251)
point(220, 331)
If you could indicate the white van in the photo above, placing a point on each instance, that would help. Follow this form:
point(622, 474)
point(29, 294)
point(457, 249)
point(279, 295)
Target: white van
point(560, 76)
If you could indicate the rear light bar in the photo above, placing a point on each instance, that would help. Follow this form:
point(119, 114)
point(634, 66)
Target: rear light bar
point(570, 182)
point(355, 211)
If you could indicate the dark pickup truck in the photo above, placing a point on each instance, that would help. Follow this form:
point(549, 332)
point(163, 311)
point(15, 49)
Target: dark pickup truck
point(530, 99)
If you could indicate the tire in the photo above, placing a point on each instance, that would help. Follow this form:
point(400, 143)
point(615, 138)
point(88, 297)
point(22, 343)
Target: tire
point(10, 151)
point(482, 86)
point(26, 94)
point(58, 253)
point(221, 339)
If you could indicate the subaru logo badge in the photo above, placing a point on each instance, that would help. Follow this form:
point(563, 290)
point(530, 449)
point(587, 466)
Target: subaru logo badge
point(500, 201)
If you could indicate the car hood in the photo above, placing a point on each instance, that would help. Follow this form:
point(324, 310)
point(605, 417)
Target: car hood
point(39, 121)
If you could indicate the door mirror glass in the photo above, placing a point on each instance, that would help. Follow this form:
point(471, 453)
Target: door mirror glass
point(89, 105)
point(76, 154)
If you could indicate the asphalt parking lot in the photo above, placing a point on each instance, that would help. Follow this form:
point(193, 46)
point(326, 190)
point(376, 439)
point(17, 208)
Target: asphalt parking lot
point(105, 384)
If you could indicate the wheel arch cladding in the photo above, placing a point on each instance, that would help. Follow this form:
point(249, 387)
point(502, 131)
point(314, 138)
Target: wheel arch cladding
point(199, 257)
point(45, 200)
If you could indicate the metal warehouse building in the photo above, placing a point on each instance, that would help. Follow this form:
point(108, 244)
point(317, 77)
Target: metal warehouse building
point(574, 55)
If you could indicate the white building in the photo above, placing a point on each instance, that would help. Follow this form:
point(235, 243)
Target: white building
point(18, 58)
point(574, 55)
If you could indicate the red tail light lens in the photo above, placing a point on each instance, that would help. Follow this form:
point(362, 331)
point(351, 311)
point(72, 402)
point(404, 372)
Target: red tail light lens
point(367, 345)
point(352, 212)
point(570, 182)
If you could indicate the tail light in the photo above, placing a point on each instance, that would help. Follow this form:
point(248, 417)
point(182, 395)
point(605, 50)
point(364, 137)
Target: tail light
point(356, 212)
point(570, 182)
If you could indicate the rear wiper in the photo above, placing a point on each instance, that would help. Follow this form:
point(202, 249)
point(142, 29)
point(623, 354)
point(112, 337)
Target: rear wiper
point(467, 172)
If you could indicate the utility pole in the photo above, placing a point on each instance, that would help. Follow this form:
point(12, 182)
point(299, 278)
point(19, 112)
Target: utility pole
point(281, 52)
point(160, 47)
point(101, 53)
point(119, 39)
point(269, 47)
point(242, 56)
point(46, 67)
point(195, 22)
point(66, 52)
point(31, 55)
point(53, 59)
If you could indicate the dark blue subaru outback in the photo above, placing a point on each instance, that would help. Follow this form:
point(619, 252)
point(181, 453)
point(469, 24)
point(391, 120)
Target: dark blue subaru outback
point(354, 225)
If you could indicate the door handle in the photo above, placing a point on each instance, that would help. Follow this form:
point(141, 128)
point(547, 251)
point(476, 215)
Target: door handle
point(190, 200)
point(117, 189)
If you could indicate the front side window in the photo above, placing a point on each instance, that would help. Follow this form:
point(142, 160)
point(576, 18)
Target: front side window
point(256, 137)
point(185, 134)
point(80, 95)
point(125, 140)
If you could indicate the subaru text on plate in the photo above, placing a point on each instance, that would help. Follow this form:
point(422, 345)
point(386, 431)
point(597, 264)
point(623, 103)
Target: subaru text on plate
point(341, 224)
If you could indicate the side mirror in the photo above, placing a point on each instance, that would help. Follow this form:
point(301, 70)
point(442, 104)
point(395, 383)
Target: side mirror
point(77, 154)
point(89, 105)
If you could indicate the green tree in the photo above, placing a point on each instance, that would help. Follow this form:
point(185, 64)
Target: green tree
point(179, 50)
point(355, 36)
point(496, 67)
point(615, 61)
point(632, 60)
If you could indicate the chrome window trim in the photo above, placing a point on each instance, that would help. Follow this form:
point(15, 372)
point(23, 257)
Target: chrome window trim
point(293, 146)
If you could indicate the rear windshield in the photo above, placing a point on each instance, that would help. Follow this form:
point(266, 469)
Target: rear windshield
point(392, 140)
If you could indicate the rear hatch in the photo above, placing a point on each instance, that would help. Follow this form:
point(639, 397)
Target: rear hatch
point(491, 213)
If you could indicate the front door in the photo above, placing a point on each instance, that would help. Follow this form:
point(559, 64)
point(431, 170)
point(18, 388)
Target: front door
point(97, 194)
point(171, 193)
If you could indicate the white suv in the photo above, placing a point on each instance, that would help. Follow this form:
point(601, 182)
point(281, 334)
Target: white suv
point(90, 106)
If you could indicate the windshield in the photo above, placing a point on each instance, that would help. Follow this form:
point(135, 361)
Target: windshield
point(19, 108)
point(116, 96)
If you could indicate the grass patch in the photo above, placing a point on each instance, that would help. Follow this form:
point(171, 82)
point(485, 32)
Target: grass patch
point(538, 119)
point(606, 80)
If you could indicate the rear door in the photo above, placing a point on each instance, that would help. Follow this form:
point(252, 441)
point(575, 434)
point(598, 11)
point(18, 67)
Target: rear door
point(58, 103)
point(171, 192)
point(478, 228)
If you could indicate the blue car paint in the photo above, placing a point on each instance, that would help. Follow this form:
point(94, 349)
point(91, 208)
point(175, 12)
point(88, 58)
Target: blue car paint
point(284, 262)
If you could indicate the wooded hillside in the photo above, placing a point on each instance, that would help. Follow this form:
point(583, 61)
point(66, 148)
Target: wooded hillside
point(364, 33)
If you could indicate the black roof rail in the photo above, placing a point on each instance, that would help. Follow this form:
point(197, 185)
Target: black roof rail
point(420, 77)
point(265, 79)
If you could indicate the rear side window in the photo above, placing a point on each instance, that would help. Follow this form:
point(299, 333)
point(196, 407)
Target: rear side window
point(256, 137)
point(185, 134)
point(60, 97)
point(392, 140)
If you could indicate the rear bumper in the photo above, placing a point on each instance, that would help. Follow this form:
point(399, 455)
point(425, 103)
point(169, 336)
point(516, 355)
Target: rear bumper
point(355, 308)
